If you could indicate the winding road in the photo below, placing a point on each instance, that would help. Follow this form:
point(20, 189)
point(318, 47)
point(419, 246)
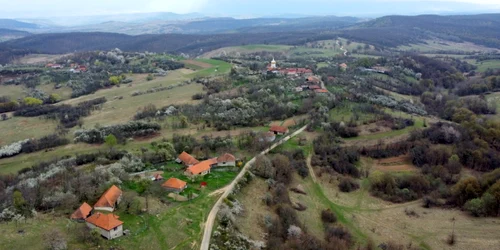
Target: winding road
point(209, 224)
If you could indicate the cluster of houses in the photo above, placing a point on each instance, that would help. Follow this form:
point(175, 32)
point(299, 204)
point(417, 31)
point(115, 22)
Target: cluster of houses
point(289, 72)
point(108, 223)
point(196, 168)
point(312, 83)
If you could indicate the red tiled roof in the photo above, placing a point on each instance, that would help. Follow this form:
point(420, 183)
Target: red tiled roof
point(226, 158)
point(321, 91)
point(174, 183)
point(201, 167)
point(187, 159)
point(104, 221)
point(279, 129)
point(82, 212)
point(109, 198)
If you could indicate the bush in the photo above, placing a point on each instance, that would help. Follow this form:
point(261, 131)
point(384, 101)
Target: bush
point(121, 131)
point(327, 216)
point(347, 184)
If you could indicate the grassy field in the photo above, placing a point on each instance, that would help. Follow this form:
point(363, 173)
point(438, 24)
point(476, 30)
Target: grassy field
point(14, 92)
point(21, 128)
point(489, 64)
point(383, 221)
point(217, 68)
point(435, 45)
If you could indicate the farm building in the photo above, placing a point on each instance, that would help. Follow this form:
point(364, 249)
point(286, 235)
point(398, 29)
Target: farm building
point(320, 91)
point(108, 224)
point(82, 212)
point(267, 137)
point(278, 130)
point(186, 159)
point(226, 160)
point(157, 177)
point(201, 168)
point(174, 185)
point(109, 200)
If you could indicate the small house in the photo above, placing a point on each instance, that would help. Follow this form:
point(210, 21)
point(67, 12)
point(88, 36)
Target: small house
point(226, 160)
point(109, 200)
point(200, 169)
point(313, 80)
point(343, 66)
point(82, 212)
point(157, 177)
point(174, 185)
point(186, 159)
point(109, 225)
point(320, 91)
point(278, 130)
point(313, 87)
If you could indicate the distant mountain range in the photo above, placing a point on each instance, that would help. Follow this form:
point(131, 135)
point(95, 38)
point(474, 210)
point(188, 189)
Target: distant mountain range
point(14, 24)
point(165, 23)
point(201, 35)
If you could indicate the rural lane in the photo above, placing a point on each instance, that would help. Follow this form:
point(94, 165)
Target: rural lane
point(209, 224)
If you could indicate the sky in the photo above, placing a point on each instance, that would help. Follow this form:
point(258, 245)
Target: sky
point(241, 8)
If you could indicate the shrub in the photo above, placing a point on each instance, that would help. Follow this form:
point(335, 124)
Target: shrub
point(327, 216)
point(347, 184)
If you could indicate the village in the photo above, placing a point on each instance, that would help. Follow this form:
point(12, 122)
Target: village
point(101, 217)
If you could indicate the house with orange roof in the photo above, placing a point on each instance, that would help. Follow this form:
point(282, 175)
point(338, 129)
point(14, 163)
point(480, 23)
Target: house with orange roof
point(109, 200)
point(175, 185)
point(343, 66)
point(201, 168)
point(108, 224)
point(226, 160)
point(186, 159)
point(82, 212)
point(320, 91)
point(278, 130)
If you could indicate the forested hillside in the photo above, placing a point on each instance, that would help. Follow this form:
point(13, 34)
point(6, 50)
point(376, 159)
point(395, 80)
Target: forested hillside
point(192, 44)
point(393, 31)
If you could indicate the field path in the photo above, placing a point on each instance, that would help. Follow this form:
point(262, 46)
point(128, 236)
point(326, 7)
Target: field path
point(209, 224)
point(311, 169)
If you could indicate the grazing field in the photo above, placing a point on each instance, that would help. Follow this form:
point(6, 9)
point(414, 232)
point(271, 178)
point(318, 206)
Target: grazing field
point(21, 128)
point(483, 66)
point(38, 58)
point(216, 68)
point(436, 45)
point(14, 92)
point(383, 221)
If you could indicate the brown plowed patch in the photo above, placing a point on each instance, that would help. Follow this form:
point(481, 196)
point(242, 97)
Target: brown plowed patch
point(395, 164)
point(197, 63)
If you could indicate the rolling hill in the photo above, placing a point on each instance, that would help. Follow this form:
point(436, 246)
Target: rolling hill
point(14, 24)
point(392, 31)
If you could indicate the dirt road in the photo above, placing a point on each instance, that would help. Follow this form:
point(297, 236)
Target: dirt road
point(209, 224)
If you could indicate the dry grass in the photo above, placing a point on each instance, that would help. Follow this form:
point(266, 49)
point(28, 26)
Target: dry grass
point(311, 217)
point(394, 164)
point(384, 221)
point(251, 223)
point(20, 128)
point(38, 58)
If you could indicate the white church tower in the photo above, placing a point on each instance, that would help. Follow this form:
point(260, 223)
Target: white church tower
point(273, 64)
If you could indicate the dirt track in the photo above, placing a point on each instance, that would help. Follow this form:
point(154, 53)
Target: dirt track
point(209, 224)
